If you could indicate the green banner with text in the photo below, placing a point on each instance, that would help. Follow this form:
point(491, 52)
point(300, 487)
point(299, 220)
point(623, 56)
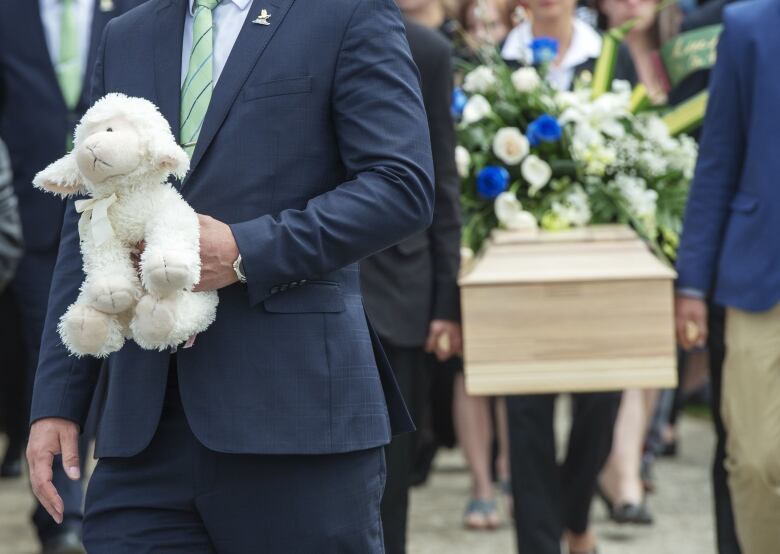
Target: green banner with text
point(690, 52)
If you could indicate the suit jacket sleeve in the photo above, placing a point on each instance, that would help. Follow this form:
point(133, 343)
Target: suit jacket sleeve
point(385, 147)
point(717, 172)
point(64, 384)
point(445, 231)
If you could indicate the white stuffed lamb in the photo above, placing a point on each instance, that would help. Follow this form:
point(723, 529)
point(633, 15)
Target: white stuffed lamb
point(123, 154)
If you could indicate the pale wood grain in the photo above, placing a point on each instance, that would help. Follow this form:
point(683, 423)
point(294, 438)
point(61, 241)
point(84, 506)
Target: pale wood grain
point(568, 316)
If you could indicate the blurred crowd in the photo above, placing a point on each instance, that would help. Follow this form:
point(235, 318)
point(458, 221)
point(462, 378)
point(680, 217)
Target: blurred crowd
point(412, 298)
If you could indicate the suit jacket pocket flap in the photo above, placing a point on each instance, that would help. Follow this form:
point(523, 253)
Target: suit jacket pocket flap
point(743, 202)
point(278, 88)
point(414, 243)
point(313, 297)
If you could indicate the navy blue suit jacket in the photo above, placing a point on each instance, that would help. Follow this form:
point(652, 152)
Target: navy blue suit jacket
point(729, 246)
point(34, 120)
point(315, 149)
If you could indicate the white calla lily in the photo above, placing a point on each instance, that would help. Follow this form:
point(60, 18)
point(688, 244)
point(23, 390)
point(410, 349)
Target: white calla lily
point(507, 206)
point(536, 172)
point(462, 161)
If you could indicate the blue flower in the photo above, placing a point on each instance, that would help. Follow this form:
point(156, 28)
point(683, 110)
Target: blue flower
point(544, 129)
point(492, 181)
point(459, 100)
point(544, 50)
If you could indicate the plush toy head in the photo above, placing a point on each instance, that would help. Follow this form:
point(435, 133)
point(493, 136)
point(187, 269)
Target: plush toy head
point(120, 142)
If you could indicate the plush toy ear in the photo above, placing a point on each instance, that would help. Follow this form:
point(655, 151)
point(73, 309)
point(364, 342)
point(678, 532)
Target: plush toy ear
point(61, 177)
point(168, 155)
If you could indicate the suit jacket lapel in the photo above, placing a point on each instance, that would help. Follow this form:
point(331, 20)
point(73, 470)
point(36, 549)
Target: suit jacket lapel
point(169, 26)
point(248, 48)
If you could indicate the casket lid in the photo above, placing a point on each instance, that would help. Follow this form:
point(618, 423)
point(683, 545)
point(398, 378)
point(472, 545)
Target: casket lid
point(592, 254)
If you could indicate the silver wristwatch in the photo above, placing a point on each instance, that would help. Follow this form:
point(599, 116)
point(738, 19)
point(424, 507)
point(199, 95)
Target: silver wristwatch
point(238, 267)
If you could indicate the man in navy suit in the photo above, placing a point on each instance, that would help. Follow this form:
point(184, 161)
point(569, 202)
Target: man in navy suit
point(313, 153)
point(46, 50)
point(729, 253)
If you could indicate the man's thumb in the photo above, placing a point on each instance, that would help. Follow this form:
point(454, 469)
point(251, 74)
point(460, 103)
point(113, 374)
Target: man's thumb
point(69, 443)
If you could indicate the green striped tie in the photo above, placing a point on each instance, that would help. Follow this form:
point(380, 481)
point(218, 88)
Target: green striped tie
point(69, 64)
point(197, 87)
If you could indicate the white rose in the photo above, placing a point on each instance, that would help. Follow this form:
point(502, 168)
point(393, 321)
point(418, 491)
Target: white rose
point(462, 161)
point(536, 173)
point(510, 145)
point(480, 80)
point(526, 79)
point(475, 109)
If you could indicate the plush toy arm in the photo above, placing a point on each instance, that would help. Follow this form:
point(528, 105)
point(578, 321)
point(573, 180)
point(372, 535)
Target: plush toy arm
point(171, 258)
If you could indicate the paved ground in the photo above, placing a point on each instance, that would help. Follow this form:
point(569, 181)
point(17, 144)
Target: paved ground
point(682, 507)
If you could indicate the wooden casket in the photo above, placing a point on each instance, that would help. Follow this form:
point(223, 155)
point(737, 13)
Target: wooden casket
point(583, 310)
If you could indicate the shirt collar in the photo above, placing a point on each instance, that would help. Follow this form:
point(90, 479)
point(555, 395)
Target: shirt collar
point(585, 45)
point(240, 4)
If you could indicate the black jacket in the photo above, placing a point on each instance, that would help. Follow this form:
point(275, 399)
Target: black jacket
point(408, 285)
point(10, 226)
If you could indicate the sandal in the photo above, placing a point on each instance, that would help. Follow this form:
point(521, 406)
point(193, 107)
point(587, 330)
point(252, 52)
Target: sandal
point(481, 515)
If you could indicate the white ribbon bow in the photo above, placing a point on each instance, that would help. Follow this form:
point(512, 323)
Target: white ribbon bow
point(97, 211)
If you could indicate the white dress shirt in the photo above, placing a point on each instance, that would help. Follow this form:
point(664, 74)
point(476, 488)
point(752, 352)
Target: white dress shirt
point(228, 17)
point(585, 44)
point(51, 11)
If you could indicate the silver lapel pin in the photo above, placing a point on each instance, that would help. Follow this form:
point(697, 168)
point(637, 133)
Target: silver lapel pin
point(263, 18)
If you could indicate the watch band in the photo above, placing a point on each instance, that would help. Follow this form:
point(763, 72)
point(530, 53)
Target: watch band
point(238, 267)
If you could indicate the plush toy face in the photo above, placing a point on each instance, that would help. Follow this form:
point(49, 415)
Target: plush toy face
point(120, 142)
point(109, 149)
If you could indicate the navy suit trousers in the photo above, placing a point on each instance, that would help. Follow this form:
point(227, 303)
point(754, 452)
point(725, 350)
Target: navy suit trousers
point(178, 496)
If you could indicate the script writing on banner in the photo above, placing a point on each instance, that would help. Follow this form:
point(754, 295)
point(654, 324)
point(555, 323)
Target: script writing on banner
point(690, 52)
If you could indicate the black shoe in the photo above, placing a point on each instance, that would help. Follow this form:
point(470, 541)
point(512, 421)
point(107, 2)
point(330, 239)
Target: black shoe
point(634, 514)
point(601, 493)
point(67, 542)
point(12, 463)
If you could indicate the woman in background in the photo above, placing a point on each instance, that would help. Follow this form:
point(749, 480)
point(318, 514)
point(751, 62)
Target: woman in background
point(651, 30)
point(553, 502)
point(622, 487)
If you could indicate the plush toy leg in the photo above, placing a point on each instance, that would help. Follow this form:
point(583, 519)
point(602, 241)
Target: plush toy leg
point(164, 273)
point(112, 294)
point(161, 323)
point(154, 322)
point(87, 331)
point(197, 310)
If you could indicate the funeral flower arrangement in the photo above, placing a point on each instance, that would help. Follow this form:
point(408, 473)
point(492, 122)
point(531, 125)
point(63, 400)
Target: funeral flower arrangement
point(530, 156)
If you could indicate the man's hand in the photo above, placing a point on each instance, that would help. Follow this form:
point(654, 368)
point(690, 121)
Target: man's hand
point(49, 437)
point(444, 339)
point(218, 251)
point(691, 322)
